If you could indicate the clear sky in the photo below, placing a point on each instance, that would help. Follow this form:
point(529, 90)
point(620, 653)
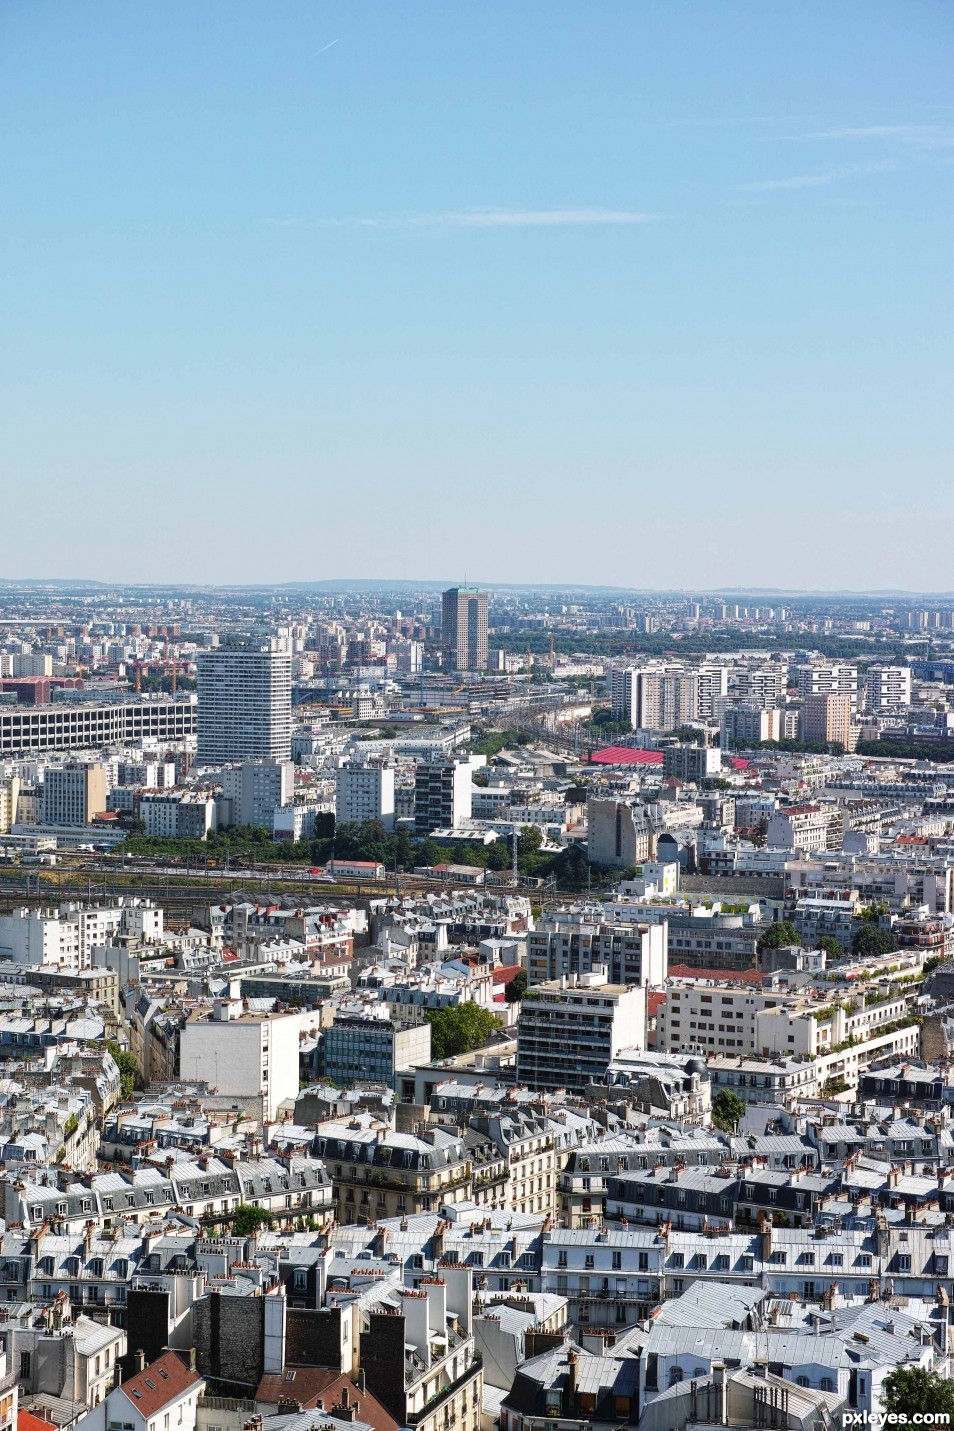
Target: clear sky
point(648, 292)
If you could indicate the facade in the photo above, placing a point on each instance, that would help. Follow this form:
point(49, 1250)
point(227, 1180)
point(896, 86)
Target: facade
point(464, 629)
point(245, 1055)
point(73, 794)
point(364, 792)
point(806, 827)
point(827, 718)
point(749, 724)
point(568, 1036)
point(356, 1048)
point(619, 832)
point(257, 788)
point(83, 725)
point(244, 711)
point(377, 1173)
point(825, 678)
point(562, 944)
point(692, 762)
point(655, 697)
point(887, 687)
point(442, 795)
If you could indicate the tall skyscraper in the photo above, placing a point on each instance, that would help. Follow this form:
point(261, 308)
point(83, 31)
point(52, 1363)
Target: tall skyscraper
point(464, 629)
point(244, 701)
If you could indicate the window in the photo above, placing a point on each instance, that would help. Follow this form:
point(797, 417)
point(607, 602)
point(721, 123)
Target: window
point(827, 1384)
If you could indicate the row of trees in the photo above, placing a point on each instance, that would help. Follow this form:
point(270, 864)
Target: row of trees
point(867, 941)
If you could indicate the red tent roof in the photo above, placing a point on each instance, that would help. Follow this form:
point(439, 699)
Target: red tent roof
point(625, 755)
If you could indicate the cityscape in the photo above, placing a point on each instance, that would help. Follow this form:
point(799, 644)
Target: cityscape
point(475, 1007)
point(476, 716)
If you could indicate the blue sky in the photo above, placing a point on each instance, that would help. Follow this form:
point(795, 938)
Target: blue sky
point(651, 293)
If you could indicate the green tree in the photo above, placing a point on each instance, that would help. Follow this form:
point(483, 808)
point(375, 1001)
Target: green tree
point(831, 946)
point(129, 1075)
point(727, 1109)
point(459, 1029)
point(777, 935)
point(869, 941)
point(911, 1391)
point(515, 990)
point(248, 1217)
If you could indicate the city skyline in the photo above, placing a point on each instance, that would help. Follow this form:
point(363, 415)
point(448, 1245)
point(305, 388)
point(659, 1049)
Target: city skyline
point(665, 290)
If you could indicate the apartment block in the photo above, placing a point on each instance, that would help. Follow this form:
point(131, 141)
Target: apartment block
point(568, 1033)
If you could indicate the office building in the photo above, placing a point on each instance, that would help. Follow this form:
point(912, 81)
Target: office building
point(357, 1048)
point(244, 701)
point(73, 794)
point(84, 725)
point(364, 792)
point(464, 629)
point(571, 1030)
point(692, 762)
point(442, 795)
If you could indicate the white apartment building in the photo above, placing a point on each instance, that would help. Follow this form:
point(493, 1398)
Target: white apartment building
point(657, 697)
point(715, 1018)
point(566, 943)
point(887, 687)
point(66, 937)
point(442, 795)
point(364, 792)
point(806, 828)
point(256, 788)
point(761, 685)
point(245, 1055)
point(568, 1033)
point(713, 685)
point(828, 678)
point(73, 794)
point(244, 711)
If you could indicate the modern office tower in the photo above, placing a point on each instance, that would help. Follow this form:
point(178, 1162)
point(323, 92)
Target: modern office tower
point(887, 686)
point(442, 795)
point(364, 792)
point(244, 701)
point(827, 718)
point(464, 629)
point(74, 794)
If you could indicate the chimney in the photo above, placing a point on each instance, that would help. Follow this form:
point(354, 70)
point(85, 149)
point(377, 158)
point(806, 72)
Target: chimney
point(569, 1394)
point(720, 1373)
point(765, 1236)
point(361, 1381)
point(138, 1361)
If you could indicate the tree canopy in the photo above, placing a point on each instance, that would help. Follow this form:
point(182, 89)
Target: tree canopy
point(248, 1217)
point(727, 1109)
point(778, 935)
point(868, 941)
point(911, 1391)
point(459, 1028)
point(515, 990)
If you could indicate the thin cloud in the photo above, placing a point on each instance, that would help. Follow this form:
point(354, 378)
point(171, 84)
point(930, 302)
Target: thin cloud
point(512, 218)
point(323, 48)
point(813, 181)
point(922, 136)
point(477, 219)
